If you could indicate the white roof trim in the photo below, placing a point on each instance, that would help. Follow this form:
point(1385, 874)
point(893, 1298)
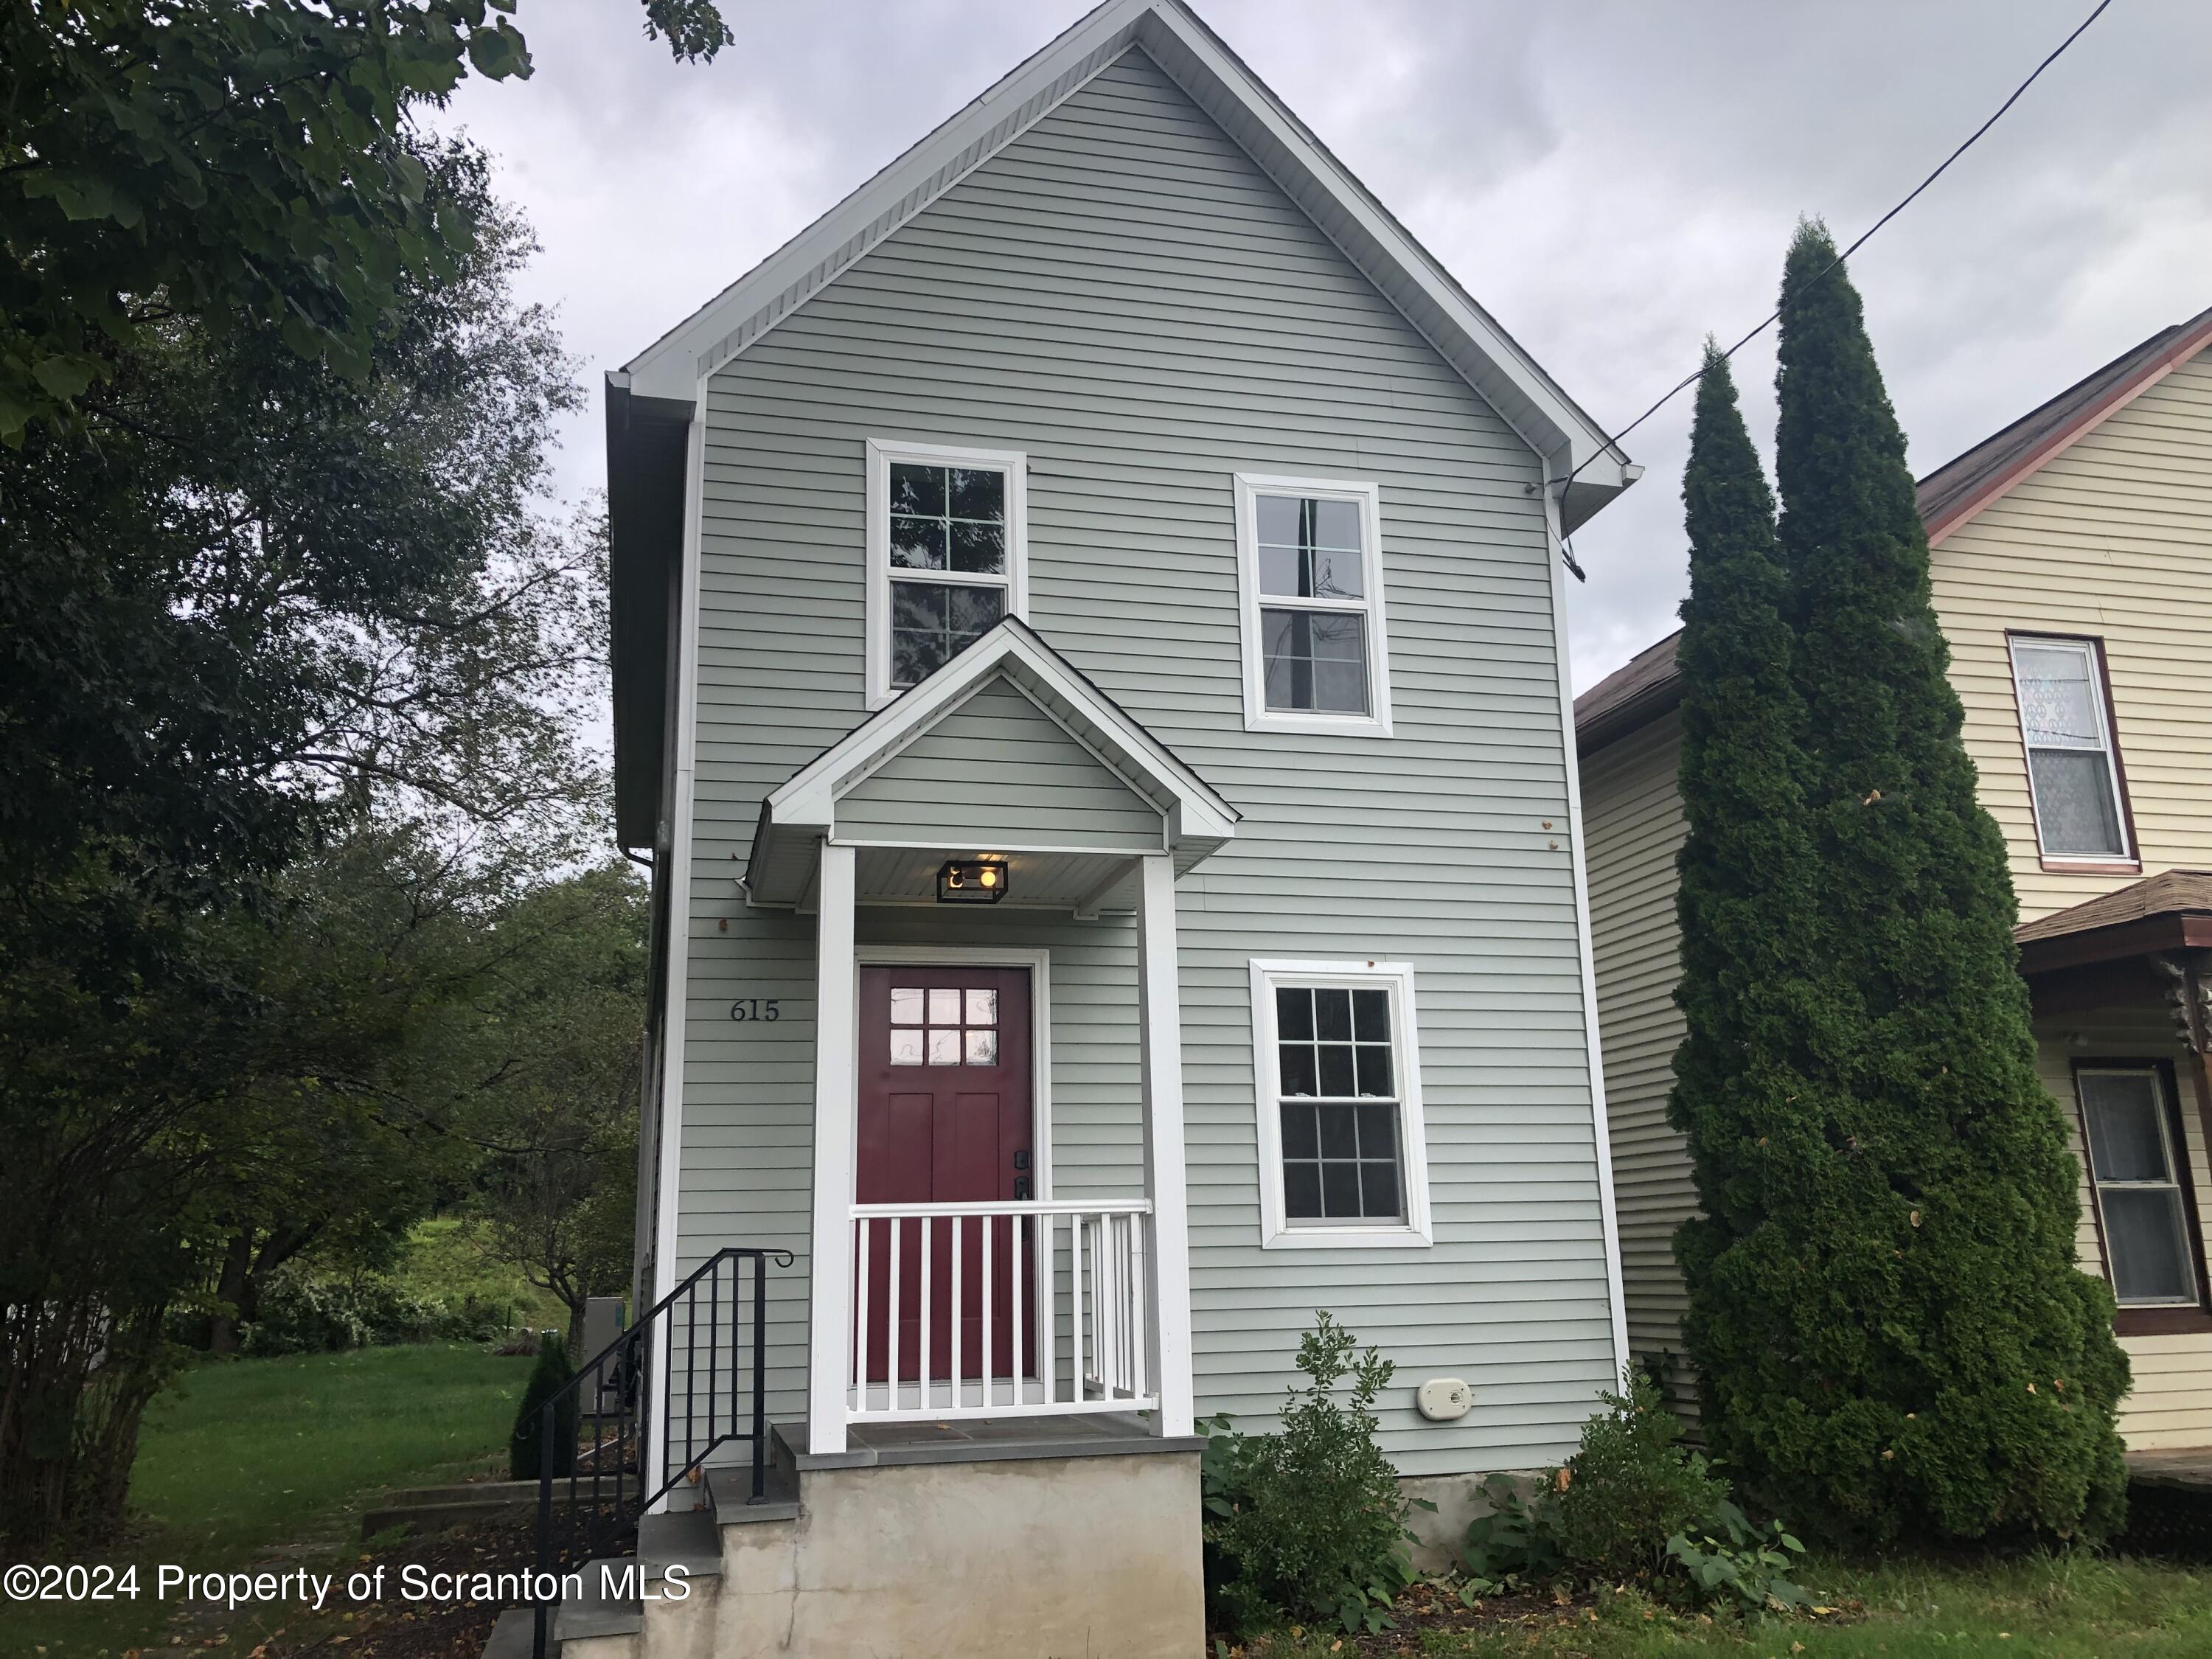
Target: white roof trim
point(1281, 145)
point(807, 801)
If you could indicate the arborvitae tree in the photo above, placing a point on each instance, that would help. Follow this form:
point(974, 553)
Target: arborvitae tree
point(1748, 1096)
point(525, 1447)
point(1955, 1373)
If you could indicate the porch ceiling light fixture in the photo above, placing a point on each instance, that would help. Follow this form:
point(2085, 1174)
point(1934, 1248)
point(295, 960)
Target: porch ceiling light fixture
point(971, 881)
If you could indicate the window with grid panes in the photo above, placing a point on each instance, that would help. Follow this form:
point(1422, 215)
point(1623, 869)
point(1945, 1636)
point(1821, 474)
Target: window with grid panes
point(1336, 1066)
point(949, 566)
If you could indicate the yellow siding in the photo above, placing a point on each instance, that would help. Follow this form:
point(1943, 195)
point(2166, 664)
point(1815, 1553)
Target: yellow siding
point(1631, 829)
point(2171, 1404)
point(2112, 537)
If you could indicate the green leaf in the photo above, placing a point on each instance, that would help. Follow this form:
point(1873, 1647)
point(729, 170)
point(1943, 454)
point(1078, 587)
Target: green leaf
point(65, 377)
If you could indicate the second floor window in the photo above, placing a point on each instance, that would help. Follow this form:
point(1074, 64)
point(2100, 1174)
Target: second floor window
point(2072, 760)
point(1316, 657)
point(947, 554)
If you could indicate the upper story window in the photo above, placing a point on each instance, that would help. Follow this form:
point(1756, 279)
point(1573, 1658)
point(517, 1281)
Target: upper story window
point(1343, 1155)
point(1310, 562)
point(2072, 760)
point(947, 555)
point(2136, 1169)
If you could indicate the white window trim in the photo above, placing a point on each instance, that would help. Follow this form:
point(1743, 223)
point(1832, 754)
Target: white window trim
point(1257, 717)
point(882, 452)
point(2094, 651)
point(1276, 1232)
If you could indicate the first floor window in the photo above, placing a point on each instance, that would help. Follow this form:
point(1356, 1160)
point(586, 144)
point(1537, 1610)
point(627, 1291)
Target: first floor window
point(2136, 1169)
point(2072, 760)
point(946, 550)
point(1315, 656)
point(1339, 1100)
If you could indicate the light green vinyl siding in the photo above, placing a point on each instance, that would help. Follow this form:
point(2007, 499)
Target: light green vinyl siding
point(999, 772)
point(1123, 297)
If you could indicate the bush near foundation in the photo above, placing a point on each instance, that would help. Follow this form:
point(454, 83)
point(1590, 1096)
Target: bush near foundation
point(1308, 1523)
point(1634, 1507)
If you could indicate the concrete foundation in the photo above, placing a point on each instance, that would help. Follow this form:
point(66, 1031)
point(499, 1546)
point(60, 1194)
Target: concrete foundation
point(1459, 1499)
point(990, 1551)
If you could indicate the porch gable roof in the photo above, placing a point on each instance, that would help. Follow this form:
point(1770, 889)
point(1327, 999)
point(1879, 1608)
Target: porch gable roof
point(1196, 819)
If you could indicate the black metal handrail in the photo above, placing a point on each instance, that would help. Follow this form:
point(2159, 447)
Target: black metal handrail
point(604, 1504)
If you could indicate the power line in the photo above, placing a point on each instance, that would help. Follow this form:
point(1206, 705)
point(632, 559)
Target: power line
point(1972, 138)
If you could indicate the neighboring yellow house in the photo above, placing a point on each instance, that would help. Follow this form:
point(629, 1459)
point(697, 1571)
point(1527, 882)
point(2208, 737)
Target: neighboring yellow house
point(2072, 557)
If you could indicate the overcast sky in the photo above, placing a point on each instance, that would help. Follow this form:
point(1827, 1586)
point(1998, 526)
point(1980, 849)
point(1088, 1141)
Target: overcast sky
point(1612, 181)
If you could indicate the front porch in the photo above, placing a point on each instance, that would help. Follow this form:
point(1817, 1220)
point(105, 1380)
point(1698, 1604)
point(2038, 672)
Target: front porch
point(952, 1279)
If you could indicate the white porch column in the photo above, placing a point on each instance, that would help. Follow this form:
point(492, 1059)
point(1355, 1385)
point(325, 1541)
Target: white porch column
point(830, 1340)
point(1160, 1023)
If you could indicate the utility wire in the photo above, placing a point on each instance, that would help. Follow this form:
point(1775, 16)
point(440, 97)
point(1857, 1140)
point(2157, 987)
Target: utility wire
point(1699, 374)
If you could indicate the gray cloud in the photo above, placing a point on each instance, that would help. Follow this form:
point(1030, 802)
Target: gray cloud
point(1611, 179)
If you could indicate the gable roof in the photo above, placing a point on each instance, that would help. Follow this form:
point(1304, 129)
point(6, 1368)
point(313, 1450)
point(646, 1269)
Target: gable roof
point(1650, 683)
point(804, 808)
point(1282, 146)
point(1957, 491)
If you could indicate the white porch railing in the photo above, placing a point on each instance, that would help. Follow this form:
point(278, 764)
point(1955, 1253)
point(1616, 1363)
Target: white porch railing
point(1002, 1310)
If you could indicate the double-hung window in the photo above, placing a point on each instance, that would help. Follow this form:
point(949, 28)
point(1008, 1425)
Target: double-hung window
point(1342, 1155)
point(1309, 561)
point(2073, 763)
point(947, 557)
point(2138, 1166)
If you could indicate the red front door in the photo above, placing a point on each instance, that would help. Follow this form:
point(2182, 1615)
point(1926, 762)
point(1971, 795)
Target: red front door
point(945, 1117)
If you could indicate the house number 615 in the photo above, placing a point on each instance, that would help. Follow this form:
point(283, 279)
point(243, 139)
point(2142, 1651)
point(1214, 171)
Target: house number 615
point(746, 1008)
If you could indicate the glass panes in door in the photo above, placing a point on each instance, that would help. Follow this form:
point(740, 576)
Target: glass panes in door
point(943, 1026)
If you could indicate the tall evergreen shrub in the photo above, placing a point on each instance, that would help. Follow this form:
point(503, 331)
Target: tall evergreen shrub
point(526, 1446)
point(1750, 1095)
point(1909, 1346)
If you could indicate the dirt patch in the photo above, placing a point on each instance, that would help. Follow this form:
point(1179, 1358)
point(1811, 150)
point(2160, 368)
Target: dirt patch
point(1425, 1610)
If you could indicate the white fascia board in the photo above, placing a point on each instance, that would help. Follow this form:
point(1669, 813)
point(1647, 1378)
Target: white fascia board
point(1488, 358)
point(1465, 335)
point(807, 801)
point(777, 286)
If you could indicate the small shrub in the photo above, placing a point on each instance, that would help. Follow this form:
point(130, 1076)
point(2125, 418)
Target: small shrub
point(1308, 1523)
point(1630, 1487)
point(1747, 1569)
point(1632, 1506)
point(1521, 1541)
point(526, 1446)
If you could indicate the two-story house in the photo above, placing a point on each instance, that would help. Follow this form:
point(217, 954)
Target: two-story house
point(1089, 679)
point(2072, 561)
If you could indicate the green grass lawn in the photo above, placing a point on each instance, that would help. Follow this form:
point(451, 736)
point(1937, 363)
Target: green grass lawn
point(244, 1457)
point(2044, 1606)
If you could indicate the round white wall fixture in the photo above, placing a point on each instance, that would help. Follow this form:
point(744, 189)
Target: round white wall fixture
point(1443, 1399)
